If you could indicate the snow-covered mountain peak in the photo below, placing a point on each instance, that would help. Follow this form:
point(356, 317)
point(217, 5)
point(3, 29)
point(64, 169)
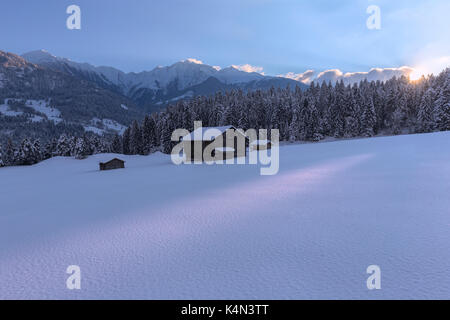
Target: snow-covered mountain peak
point(233, 75)
point(173, 78)
point(192, 60)
point(40, 56)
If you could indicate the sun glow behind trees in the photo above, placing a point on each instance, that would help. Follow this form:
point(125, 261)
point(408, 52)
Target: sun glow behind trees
point(430, 66)
point(416, 74)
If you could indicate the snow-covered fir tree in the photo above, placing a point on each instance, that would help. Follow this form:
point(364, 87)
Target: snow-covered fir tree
point(37, 151)
point(148, 134)
point(9, 158)
point(166, 135)
point(136, 144)
point(368, 119)
point(50, 149)
point(126, 141)
point(81, 150)
point(425, 117)
point(442, 105)
point(64, 147)
point(116, 144)
point(27, 154)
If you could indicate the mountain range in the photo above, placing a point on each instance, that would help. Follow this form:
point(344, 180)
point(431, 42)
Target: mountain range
point(162, 85)
point(42, 95)
point(47, 94)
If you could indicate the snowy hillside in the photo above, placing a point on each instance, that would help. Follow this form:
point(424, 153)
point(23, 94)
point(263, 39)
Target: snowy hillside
point(155, 230)
point(40, 109)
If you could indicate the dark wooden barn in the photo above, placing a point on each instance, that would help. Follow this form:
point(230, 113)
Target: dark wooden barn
point(112, 164)
point(234, 144)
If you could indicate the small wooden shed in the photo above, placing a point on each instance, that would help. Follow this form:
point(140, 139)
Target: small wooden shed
point(112, 164)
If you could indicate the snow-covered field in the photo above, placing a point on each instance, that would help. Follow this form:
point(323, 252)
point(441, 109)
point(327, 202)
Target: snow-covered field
point(155, 230)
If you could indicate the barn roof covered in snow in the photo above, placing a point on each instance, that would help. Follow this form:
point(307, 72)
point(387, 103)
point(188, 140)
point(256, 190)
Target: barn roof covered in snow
point(199, 133)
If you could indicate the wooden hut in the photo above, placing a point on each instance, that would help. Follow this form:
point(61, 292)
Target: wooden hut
point(233, 143)
point(112, 164)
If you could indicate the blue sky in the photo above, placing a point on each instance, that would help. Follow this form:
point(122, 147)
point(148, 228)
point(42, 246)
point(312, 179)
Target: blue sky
point(279, 35)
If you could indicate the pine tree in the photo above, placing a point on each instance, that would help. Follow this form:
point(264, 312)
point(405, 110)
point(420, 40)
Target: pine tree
point(71, 145)
point(351, 114)
point(166, 137)
point(50, 149)
point(442, 106)
point(37, 152)
point(368, 119)
point(9, 154)
point(89, 144)
point(312, 127)
point(243, 121)
point(425, 116)
point(126, 141)
point(397, 120)
point(136, 145)
point(81, 150)
point(338, 109)
point(294, 130)
point(302, 115)
point(26, 153)
point(116, 145)
point(148, 134)
point(63, 147)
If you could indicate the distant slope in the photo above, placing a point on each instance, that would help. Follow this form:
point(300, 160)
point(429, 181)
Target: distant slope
point(29, 93)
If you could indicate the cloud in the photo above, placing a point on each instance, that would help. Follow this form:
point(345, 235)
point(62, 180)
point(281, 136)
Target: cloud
point(377, 74)
point(248, 68)
point(192, 60)
point(335, 75)
point(305, 77)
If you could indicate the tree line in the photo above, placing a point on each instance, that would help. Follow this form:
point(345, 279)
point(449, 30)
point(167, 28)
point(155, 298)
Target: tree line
point(365, 109)
point(30, 152)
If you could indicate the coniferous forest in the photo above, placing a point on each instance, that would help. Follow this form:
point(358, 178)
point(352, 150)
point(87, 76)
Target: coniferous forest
point(366, 109)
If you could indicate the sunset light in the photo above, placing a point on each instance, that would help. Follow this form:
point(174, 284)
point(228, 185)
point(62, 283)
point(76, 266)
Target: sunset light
point(416, 74)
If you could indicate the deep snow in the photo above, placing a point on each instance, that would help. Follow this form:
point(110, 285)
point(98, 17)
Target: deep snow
point(155, 230)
